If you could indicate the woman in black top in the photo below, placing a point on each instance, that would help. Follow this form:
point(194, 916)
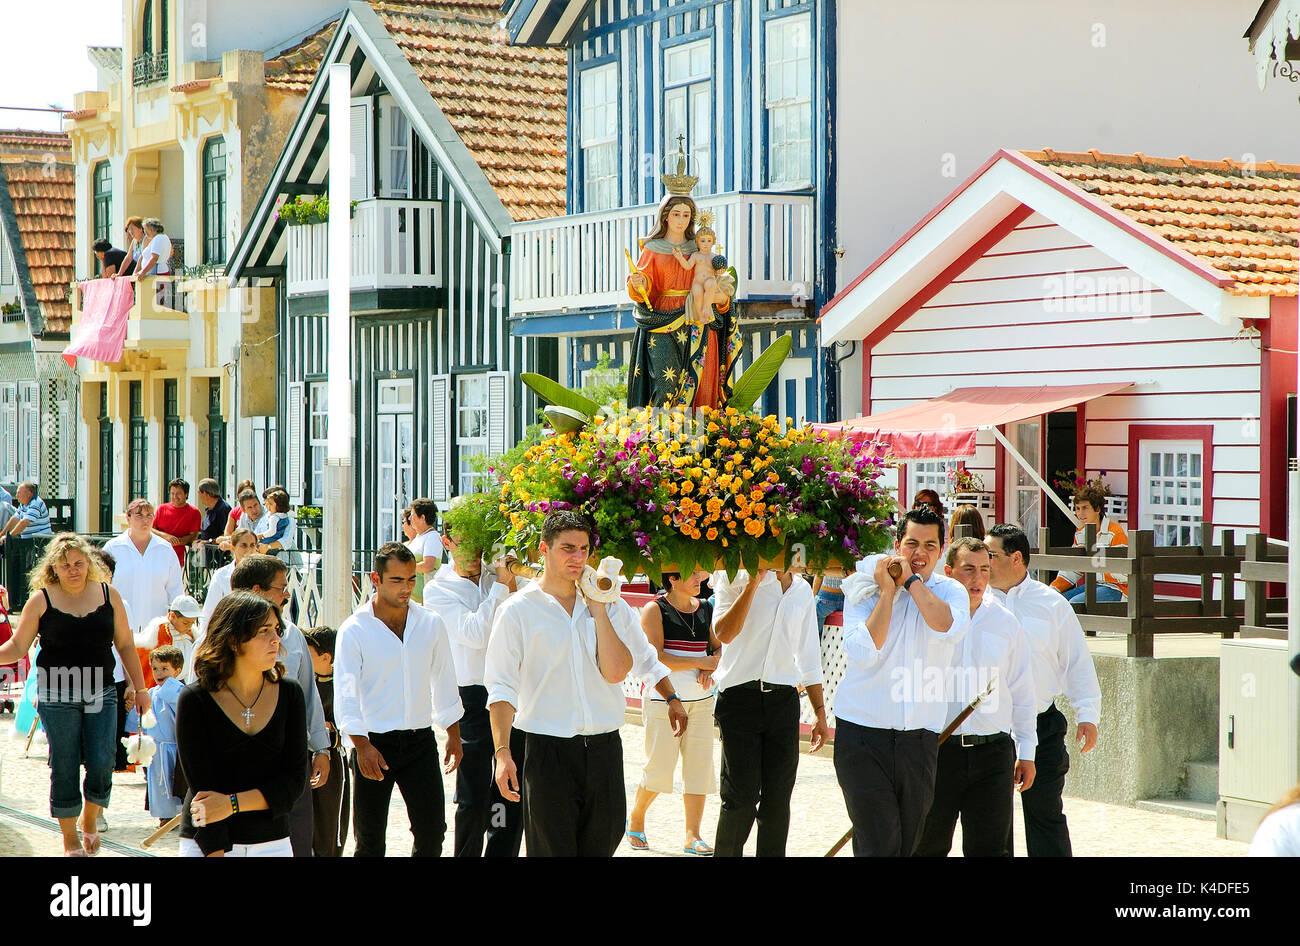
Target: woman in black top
point(79, 618)
point(241, 732)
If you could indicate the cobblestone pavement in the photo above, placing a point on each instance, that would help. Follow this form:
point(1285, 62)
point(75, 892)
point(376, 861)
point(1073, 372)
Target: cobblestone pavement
point(817, 814)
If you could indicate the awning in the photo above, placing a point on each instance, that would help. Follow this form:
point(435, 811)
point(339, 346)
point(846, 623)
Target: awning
point(944, 427)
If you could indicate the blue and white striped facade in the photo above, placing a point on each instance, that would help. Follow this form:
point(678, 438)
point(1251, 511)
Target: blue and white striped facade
point(636, 36)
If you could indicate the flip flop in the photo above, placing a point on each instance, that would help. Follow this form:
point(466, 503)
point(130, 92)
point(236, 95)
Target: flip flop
point(636, 839)
point(90, 841)
point(698, 847)
point(78, 852)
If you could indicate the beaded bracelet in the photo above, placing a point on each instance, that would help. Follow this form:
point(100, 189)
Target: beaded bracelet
point(234, 803)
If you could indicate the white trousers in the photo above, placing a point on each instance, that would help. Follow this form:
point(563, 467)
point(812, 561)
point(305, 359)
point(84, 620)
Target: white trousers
point(277, 848)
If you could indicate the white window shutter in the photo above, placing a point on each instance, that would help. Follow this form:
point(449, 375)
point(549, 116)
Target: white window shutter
point(9, 432)
point(440, 436)
point(360, 150)
point(31, 398)
point(498, 414)
point(296, 446)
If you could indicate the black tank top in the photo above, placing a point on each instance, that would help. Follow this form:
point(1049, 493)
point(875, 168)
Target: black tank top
point(76, 653)
point(685, 635)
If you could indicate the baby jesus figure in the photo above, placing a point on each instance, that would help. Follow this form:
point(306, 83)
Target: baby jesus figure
point(708, 284)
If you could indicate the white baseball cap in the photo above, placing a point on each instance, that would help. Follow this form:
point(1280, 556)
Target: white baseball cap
point(185, 606)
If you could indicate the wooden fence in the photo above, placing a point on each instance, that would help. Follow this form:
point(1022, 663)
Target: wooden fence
point(1265, 563)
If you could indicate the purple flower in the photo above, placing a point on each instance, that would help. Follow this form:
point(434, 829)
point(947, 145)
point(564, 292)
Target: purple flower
point(807, 467)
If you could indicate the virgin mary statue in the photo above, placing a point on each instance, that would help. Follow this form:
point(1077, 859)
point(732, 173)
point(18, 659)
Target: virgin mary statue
point(677, 361)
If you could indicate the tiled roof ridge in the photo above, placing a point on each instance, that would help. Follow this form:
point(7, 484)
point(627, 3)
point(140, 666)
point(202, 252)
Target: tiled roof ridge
point(435, 10)
point(36, 134)
point(1182, 162)
point(309, 49)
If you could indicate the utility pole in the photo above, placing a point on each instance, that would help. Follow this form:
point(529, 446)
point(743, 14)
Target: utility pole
point(336, 545)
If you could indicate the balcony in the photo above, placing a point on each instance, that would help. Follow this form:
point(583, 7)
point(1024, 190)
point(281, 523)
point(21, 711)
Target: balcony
point(577, 262)
point(157, 323)
point(396, 244)
point(149, 68)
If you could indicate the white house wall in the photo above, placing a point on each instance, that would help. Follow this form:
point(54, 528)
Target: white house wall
point(1024, 314)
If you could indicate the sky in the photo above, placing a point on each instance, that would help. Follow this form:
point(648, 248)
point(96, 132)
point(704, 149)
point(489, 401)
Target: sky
point(43, 54)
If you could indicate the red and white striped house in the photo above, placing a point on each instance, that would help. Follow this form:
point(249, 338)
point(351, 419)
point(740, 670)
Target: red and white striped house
point(1117, 313)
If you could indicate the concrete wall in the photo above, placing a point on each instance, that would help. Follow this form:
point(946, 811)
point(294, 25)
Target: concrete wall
point(1158, 714)
point(208, 28)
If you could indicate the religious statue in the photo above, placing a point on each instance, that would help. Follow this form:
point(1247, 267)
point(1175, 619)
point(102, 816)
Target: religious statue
point(687, 339)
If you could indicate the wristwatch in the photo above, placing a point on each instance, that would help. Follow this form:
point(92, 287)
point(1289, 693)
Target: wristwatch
point(673, 697)
point(907, 585)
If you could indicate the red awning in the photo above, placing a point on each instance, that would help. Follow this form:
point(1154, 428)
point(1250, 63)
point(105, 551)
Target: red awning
point(945, 426)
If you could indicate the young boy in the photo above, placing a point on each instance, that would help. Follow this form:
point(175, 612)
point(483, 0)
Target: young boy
point(330, 802)
point(163, 799)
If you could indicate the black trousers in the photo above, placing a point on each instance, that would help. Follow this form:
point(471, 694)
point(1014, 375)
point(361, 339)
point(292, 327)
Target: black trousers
point(1046, 833)
point(412, 759)
point(331, 809)
point(302, 820)
point(887, 776)
point(760, 756)
point(977, 783)
point(481, 812)
point(573, 795)
point(119, 758)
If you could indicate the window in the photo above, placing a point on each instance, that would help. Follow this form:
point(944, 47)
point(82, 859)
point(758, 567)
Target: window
point(216, 435)
point(105, 463)
point(598, 99)
point(927, 474)
point(9, 432)
point(6, 262)
point(788, 96)
point(173, 432)
point(398, 143)
point(101, 203)
point(395, 449)
point(138, 462)
point(163, 39)
point(317, 432)
point(1024, 496)
point(146, 29)
point(1172, 490)
point(214, 200)
point(688, 106)
point(471, 429)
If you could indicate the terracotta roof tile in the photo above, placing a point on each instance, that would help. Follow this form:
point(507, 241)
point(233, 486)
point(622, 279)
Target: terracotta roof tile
point(43, 193)
point(294, 69)
point(1243, 221)
point(506, 102)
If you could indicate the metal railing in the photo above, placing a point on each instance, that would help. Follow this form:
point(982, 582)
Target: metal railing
point(149, 68)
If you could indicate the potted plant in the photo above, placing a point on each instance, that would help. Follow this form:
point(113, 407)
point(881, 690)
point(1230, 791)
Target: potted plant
point(967, 488)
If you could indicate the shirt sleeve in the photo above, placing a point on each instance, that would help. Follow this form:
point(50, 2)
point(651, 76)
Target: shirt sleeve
point(503, 667)
point(856, 641)
point(281, 527)
point(1024, 698)
point(475, 627)
point(1278, 835)
point(447, 708)
point(725, 593)
point(193, 735)
point(645, 659)
point(288, 779)
point(1078, 674)
point(955, 597)
point(802, 612)
point(347, 682)
point(317, 735)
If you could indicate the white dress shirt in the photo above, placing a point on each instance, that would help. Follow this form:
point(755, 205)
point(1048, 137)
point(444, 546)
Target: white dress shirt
point(468, 614)
point(298, 668)
point(147, 582)
point(426, 544)
point(778, 642)
point(1278, 835)
point(994, 647)
point(1062, 663)
point(383, 683)
point(542, 661)
point(218, 588)
point(900, 686)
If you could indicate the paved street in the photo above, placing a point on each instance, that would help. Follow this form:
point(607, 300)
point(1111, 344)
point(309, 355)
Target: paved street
point(818, 817)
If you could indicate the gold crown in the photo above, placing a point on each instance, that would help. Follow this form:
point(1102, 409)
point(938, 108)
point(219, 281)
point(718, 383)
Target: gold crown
point(680, 181)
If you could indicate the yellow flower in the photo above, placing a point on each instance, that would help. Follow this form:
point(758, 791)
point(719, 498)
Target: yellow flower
point(711, 534)
point(687, 487)
point(773, 478)
point(747, 474)
point(754, 527)
point(724, 543)
point(667, 521)
point(756, 494)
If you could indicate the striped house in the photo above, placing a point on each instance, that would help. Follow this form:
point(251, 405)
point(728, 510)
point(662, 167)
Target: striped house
point(738, 84)
point(1142, 309)
point(456, 137)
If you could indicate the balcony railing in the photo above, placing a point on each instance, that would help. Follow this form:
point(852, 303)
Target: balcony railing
point(157, 320)
point(149, 68)
point(577, 261)
point(396, 244)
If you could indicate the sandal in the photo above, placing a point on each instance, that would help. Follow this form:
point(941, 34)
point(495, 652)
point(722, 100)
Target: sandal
point(636, 839)
point(698, 847)
point(76, 852)
point(90, 842)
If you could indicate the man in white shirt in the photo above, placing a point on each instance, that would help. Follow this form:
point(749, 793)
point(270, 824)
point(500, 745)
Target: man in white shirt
point(455, 593)
point(767, 626)
point(888, 713)
point(1062, 664)
point(981, 761)
point(426, 544)
point(394, 681)
point(267, 577)
point(555, 663)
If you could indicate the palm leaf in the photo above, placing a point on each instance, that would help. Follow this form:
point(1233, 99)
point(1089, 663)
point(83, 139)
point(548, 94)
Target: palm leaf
point(565, 420)
point(759, 375)
point(552, 392)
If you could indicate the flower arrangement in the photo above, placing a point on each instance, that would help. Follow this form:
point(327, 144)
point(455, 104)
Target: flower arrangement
point(963, 481)
point(304, 209)
point(310, 516)
point(1071, 481)
point(476, 523)
point(709, 488)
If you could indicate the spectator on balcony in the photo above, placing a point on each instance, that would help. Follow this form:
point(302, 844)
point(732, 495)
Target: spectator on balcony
point(277, 531)
point(968, 517)
point(32, 517)
point(237, 510)
point(110, 257)
point(134, 231)
point(8, 511)
point(242, 542)
point(156, 257)
point(1089, 506)
point(251, 513)
point(216, 511)
point(177, 522)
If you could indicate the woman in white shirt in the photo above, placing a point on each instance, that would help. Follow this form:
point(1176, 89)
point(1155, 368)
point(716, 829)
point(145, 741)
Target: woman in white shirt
point(426, 544)
point(242, 542)
point(1278, 835)
point(155, 258)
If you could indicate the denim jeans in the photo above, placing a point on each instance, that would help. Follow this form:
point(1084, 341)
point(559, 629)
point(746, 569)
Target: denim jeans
point(81, 732)
point(1104, 593)
point(827, 604)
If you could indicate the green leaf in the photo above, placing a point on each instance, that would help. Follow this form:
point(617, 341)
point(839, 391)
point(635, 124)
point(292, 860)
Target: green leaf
point(555, 393)
point(731, 561)
point(565, 420)
point(759, 375)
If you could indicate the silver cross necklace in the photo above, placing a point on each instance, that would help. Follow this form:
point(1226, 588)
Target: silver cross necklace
point(248, 713)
